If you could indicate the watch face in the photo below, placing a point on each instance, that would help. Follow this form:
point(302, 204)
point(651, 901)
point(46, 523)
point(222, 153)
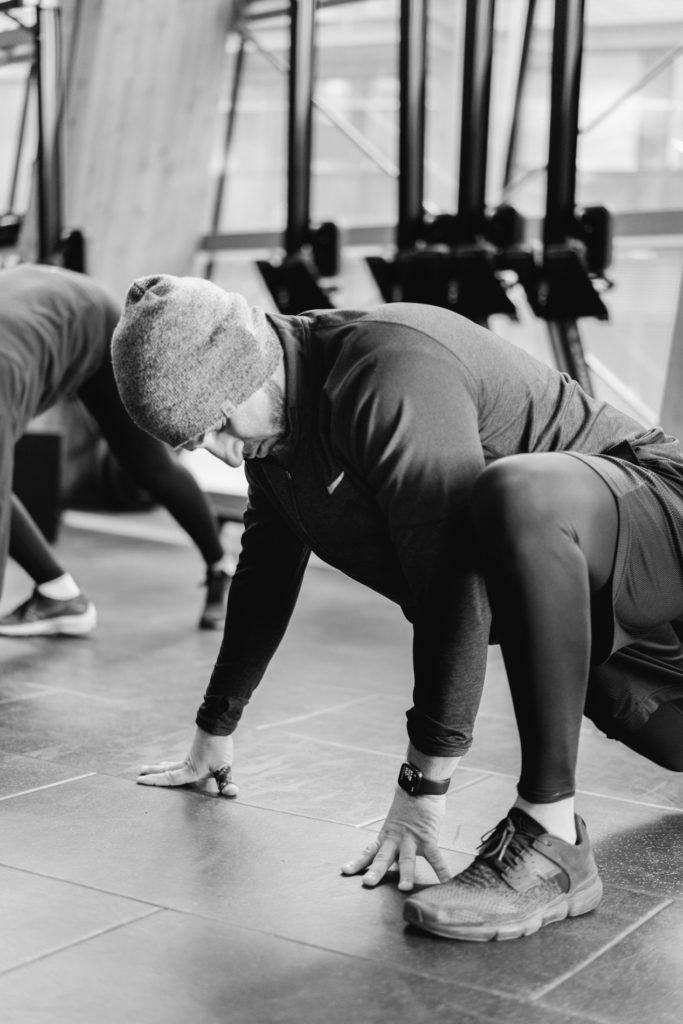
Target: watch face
point(409, 778)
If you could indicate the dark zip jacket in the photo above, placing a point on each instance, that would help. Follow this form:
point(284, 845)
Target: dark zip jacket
point(392, 414)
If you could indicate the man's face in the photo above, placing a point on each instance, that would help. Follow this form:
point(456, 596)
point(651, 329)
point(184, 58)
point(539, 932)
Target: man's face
point(251, 432)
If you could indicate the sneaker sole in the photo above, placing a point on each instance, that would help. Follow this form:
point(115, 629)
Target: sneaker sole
point(581, 901)
point(65, 625)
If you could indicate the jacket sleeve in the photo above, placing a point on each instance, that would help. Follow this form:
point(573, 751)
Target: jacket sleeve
point(414, 440)
point(262, 597)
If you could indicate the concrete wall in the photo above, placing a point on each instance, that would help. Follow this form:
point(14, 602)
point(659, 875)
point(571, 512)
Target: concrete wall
point(142, 124)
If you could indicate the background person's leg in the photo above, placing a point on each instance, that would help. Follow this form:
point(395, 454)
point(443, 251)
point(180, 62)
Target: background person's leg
point(6, 475)
point(151, 464)
point(548, 528)
point(154, 469)
point(56, 605)
point(29, 548)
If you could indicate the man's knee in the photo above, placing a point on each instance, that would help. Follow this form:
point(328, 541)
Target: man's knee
point(511, 499)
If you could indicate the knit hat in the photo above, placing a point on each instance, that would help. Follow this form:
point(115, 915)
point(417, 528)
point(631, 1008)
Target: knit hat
point(185, 353)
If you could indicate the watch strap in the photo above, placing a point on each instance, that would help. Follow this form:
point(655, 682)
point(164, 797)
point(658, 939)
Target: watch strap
point(413, 782)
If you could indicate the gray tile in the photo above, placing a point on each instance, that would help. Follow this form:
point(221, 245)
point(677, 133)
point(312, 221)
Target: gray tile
point(320, 780)
point(67, 729)
point(640, 979)
point(637, 846)
point(173, 968)
point(19, 774)
point(611, 769)
point(41, 915)
point(128, 694)
point(275, 872)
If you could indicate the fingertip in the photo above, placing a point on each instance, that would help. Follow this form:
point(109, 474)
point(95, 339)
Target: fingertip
point(405, 885)
point(370, 880)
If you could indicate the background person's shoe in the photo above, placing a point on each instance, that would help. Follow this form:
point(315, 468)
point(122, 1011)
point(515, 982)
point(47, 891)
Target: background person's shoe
point(217, 584)
point(43, 616)
point(521, 879)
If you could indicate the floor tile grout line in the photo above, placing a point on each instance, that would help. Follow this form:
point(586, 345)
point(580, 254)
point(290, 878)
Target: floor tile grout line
point(486, 772)
point(51, 691)
point(317, 714)
point(117, 701)
point(520, 1000)
point(345, 746)
point(542, 992)
point(90, 888)
point(370, 821)
point(629, 800)
point(45, 691)
point(48, 785)
point(398, 755)
point(80, 942)
point(157, 907)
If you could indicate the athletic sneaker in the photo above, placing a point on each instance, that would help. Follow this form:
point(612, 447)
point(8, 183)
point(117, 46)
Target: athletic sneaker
point(216, 583)
point(521, 879)
point(43, 616)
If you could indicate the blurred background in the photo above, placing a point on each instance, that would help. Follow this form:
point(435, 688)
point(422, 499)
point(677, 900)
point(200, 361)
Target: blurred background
point(353, 151)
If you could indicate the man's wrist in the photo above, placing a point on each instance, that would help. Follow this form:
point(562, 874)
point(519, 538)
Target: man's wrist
point(431, 766)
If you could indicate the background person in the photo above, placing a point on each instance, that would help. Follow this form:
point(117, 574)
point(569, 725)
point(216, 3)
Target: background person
point(451, 472)
point(55, 335)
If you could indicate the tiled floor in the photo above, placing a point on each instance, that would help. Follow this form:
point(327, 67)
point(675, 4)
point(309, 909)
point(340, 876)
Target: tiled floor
point(128, 905)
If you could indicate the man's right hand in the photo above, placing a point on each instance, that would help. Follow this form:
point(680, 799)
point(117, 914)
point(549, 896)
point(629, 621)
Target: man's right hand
point(209, 757)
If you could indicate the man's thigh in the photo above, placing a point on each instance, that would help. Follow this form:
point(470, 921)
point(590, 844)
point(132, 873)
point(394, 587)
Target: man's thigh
point(646, 586)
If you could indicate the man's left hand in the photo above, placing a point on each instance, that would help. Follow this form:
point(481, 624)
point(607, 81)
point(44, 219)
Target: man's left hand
point(411, 829)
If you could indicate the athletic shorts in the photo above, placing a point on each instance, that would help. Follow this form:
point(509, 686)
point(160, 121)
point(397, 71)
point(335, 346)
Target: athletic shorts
point(642, 611)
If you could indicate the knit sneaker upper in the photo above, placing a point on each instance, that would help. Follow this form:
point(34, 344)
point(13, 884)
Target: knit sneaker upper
point(520, 874)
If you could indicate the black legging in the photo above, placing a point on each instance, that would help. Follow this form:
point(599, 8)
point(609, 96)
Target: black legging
point(148, 461)
point(547, 526)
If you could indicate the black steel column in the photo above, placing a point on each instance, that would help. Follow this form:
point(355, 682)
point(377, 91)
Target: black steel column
point(412, 79)
point(564, 121)
point(476, 91)
point(519, 92)
point(49, 169)
point(301, 72)
point(566, 291)
point(227, 146)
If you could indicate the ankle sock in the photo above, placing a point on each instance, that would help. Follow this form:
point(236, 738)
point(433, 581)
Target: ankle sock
point(226, 565)
point(63, 588)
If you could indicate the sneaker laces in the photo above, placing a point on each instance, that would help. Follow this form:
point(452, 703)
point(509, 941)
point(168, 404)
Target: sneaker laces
point(504, 845)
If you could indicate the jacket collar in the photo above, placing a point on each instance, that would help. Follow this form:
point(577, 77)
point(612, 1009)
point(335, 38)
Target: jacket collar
point(294, 335)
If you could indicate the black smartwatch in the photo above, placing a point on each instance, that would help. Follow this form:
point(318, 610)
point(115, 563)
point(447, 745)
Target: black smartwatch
point(413, 782)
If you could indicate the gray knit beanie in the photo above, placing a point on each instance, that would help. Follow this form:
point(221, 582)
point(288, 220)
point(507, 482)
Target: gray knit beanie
point(185, 352)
